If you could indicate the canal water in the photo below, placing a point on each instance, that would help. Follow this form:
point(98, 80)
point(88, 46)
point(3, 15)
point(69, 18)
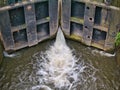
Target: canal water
point(59, 65)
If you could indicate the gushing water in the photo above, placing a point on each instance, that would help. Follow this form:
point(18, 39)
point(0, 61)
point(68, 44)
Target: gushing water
point(60, 67)
point(59, 63)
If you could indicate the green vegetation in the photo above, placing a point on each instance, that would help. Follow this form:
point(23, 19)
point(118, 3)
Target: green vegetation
point(116, 3)
point(117, 44)
point(117, 39)
point(2, 2)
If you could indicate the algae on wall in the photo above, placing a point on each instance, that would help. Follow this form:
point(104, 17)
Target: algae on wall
point(118, 56)
point(98, 0)
point(2, 2)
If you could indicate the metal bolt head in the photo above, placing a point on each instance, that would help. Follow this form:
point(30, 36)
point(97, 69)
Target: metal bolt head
point(29, 7)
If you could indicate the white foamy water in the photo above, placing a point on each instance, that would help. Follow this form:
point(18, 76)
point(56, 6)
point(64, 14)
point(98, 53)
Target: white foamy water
point(60, 61)
point(60, 67)
point(10, 55)
point(103, 53)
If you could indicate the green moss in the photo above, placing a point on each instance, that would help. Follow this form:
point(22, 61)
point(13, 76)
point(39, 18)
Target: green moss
point(116, 3)
point(117, 44)
point(2, 2)
point(77, 20)
point(98, 0)
point(117, 39)
point(75, 37)
point(48, 18)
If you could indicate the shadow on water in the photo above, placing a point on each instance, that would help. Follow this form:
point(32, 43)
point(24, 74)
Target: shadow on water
point(91, 70)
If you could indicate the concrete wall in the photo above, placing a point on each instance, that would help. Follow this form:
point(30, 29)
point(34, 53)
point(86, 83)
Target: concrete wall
point(118, 55)
point(1, 48)
point(1, 53)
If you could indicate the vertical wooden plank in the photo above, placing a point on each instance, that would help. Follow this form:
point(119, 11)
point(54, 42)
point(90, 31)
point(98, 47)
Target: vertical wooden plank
point(105, 17)
point(53, 14)
point(88, 23)
point(31, 24)
point(6, 31)
point(66, 14)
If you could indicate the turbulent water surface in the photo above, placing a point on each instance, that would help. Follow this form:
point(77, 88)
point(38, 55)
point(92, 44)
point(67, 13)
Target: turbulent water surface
point(60, 65)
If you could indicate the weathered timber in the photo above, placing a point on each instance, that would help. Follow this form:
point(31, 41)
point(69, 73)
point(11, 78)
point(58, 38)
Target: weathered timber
point(88, 23)
point(53, 13)
point(28, 23)
point(66, 13)
point(31, 24)
point(91, 22)
point(6, 30)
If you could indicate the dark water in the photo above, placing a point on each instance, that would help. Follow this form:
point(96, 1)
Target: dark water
point(19, 73)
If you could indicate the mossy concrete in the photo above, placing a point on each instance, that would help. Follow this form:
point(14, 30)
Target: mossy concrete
point(2, 3)
point(98, 0)
point(75, 37)
point(77, 20)
point(118, 55)
point(113, 2)
point(116, 3)
point(1, 52)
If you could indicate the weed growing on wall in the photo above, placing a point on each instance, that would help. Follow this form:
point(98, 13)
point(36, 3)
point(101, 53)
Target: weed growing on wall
point(117, 39)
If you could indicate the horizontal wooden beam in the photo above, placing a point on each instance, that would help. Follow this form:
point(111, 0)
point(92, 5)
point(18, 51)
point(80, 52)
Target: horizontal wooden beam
point(98, 4)
point(19, 4)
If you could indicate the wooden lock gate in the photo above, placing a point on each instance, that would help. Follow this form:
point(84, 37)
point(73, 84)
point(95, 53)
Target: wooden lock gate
point(92, 23)
point(27, 23)
point(30, 22)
